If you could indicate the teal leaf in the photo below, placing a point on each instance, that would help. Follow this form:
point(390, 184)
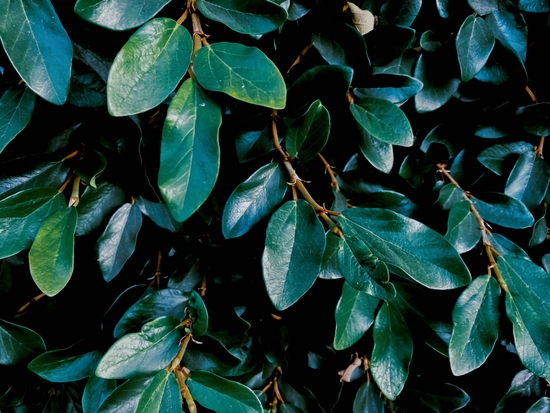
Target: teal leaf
point(125, 398)
point(503, 210)
point(392, 87)
point(95, 393)
point(534, 6)
point(253, 144)
point(529, 180)
point(118, 15)
point(377, 152)
point(474, 44)
point(159, 214)
point(506, 247)
point(222, 395)
point(330, 268)
point(211, 356)
point(484, 6)
point(16, 108)
point(392, 351)
point(294, 246)
point(354, 316)
point(92, 164)
point(475, 331)
point(87, 90)
point(449, 195)
point(430, 41)
point(383, 120)
point(540, 230)
point(367, 399)
point(509, 26)
point(21, 216)
point(162, 394)
point(242, 72)
point(536, 118)
point(190, 151)
point(253, 200)
point(148, 67)
point(18, 343)
point(308, 135)
point(199, 315)
point(38, 47)
point(462, 227)
point(51, 256)
point(546, 262)
point(541, 406)
point(118, 241)
point(438, 79)
point(503, 67)
point(96, 204)
point(248, 17)
point(401, 12)
point(493, 157)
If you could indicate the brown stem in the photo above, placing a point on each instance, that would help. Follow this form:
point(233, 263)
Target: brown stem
point(156, 279)
point(177, 360)
point(186, 394)
point(197, 28)
point(531, 94)
point(300, 56)
point(294, 193)
point(71, 155)
point(66, 183)
point(540, 147)
point(328, 168)
point(75, 195)
point(32, 300)
point(202, 288)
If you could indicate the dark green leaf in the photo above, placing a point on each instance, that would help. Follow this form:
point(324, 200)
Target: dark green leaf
point(211, 356)
point(295, 242)
point(96, 204)
point(18, 343)
point(198, 313)
point(462, 227)
point(402, 12)
point(540, 230)
point(367, 399)
point(222, 395)
point(391, 200)
point(118, 241)
point(484, 6)
point(87, 90)
point(474, 44)
point(377, 152)
point(509, 26)
point(16, 107)
point(525, 388)
point(158, 213)
point(162, 394)
point(253, 200)
point(529, 180)
point(148, 67)
point(242, 72)
point(354, 316)
point(330, 268)
point(449, 195)
point(392, 351)
point(439, 82)
point(493, 157)
point(38, 47)
point(95, 392)
point(542, 406)
point(535, 6)
point(92, 164)
point(475, 331)
point(439, 397)
point(387, 46)
point(125, 398)
point(118, 15)
point(190, 151)
point(536, 119)
point(506, 247)
point(297, 9)
point(546, 262)
point(503, 210)
point(395, 88)
point(252, 144)
point(308, 135)
point(503, 67)
point(51, 256)
point(430, 42)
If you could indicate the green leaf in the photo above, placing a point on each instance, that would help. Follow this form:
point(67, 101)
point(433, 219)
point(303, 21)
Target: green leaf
point(430, 41)
point(536, 118)
point(475, 331)
point(439, 80)
point(139, 354)
point(118, 15)
point(51, 256)
point(118, 241)
point(462, 227)
point(509, 26)
point(70, 364)
point(367, 399)
point(38, 47)
point(308, 135)
point(242, 72)
point(392, 351)
point(354, 316)
point(222, 395)
point(18, 343)
point(21, 216)
point(294, 246)
point(190, 151)
point(401, 12)
point(148, 67)
point(529, 180)
point(383, 120)
point(159, 214)
point(438, 397)
point(87, 90)
point(377, 152)
point(506, 247)
point(409, 246)
point(95, 393)
point(92, 164)
point(484, 6)
point(330, 268)
point(162, 394)
point(125, 398)
point(248, 16)
point(253, 200)
point(392, 87)
point(199, 314)
point(503, 210)
point(540, 230)
point(493, 157)
point(546, 262)
point(253, 144)
point(16, 107)
point(211, 356)
point(449, 195)
point(535, 6)
point(504, 67)
point(474, 44)
point(541, 406)
point(96, 204)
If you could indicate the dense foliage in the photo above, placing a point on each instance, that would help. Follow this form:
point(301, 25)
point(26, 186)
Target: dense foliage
point(284, 206)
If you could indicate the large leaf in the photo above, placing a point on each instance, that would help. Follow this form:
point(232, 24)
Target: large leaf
point(535, 6)
point(503, 210)
point(162, 394)
point(354, 316)
point(409, 246)
point(118, 15)
point(190, 151)
point(462, 227)
point(529, 180)
point(248, 16)
point(222, 395)
point(95, 392)
point(253, 200)
point(392, 351)
point(148, 67)
point(38, 47)
point(493, 157)
point(484, 6)
point(307, 135)
point(242, 72)
point(96, 204)
point(16, 107)
point(51, 256)
point(21, 216)
point(475, 331)
point(125, 398)
point(118, 241)
point(18, 343)
point(474, 44)
point(294, 246)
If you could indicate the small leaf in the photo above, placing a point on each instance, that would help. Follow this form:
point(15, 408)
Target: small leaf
point(392, 87)
point(51, 257)
point(377, 152)
point(430, 42)
point(199, 314)
point(330, 268)
point(540, 230)
point(529, 180)
point(96, 204)
point(95, 393)
point(162, 394)
point(362, 19)
point(308, 135)
point(159, 214)
point(462, 227)
point(449, 195)
point(534, 6)
point(493, 157)
point(474, 44)
point(92, 164)
point(125, 398)
point(484, 6)
point(253, 144)
point(503, 210)
point(18, 343)
point(541, 406)
point(16, 108)
point(242, 72)
point(87, 90)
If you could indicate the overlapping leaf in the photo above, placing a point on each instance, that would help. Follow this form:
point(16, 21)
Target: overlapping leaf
point(474, 44)
point(96, 204)
point(392, 87)
point(307, 135)
point(162, 394)
point(95, 392)
point(18, 343)
point(494, 156)
point(529, 180)
point(125, 398)
point(462, 227)
point(503, 210)
point(16, 107)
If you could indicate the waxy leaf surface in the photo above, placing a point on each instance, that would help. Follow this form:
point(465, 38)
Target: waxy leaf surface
point(509, 26)
point(462, 227)
point(494, 156)
point(307, 135)
point(125, 398)
point(18, 343)
point(162, 394)
point(474, 44)
point(503, 210)
point(16, 107)
point(96, 204)
point(368, 400)
point(392, 87)
point(95, 393)
point(529, 180)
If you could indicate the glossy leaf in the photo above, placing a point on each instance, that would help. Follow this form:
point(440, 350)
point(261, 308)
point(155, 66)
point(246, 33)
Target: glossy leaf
point(125, 398)
point(211, 356)
point(253, 144)
point(493, 157)
point(474, 44)
point(506, 247)
point(95, 393)
point(529, 180)
point(475, 319)
point(190, 151)
point(199, 315)
point(92, 164)
point(354, 316)
point(402, 12)
point(253, 200)
point(377, 152)
point(484, 6)
point(440, 83)
point(222, 395)
point(308, 135)
point(392, 87)
point(546, 262)
point(18, 343)
point(162, 394)
point(540, 230)
point(392, 351)
point(159, 214)
point(295, 242)
point(38, 47)
point(16, 108)
point(509, 26)
point(541, 406)
point(118, 15)
point(430, 42)
point(437, 396)
point(503, 67)
point(536, 118)
point(21, 216)
point(96, 204)
point(462, 227)
point(367, 399)
point(242, 72)
point(118, 241)
point(449, 195)
point(51, 257)
point(330, 268)
point(87, 90)
point(148, 67)
point(503, 210)
point(248, 17)
point(535, 6)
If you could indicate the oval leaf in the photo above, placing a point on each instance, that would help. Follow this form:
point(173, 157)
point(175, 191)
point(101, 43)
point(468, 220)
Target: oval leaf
point(96, 204)
point(18, 343)
point(529, 180)
point(367, 399)
point(95, 393)
point(462, 227)
point(199, 314)
point(125, 398)
point(392, 87)
point(162, 394)
point(377, 152)
point(493, 157)
point(16, 107)
point(474, 44)
point(308, 135)
point(503, 210)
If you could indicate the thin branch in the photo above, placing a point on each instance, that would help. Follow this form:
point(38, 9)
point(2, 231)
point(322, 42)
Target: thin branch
point(32, 300)
point(179, 357)
point(540, 146)
point(300, 56)
point(328, 168)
